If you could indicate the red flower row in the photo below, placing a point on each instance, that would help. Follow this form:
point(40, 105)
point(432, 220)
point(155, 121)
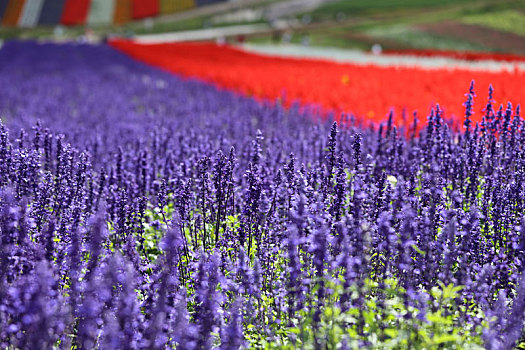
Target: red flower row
point(369, 92)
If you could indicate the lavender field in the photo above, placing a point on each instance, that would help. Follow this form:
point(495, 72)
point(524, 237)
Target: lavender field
point(142, 211)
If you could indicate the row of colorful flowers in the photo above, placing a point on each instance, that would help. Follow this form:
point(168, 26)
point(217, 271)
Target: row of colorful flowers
point(369, 92)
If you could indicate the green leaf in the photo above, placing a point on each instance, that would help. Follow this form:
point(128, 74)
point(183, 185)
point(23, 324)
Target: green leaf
point(445, 338)
point(391, 332)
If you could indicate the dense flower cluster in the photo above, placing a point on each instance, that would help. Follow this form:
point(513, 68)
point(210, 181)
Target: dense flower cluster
point(344, 87)
point(142, 211)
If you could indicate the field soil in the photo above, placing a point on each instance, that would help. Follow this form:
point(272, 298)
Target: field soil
point(501, 41)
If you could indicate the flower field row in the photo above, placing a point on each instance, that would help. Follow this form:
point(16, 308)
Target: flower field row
point(369, 92)
point(139, 210)
point(468, 55)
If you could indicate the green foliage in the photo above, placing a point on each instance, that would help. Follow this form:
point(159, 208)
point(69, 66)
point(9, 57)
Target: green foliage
point(407, 35)
point(154, 227)
point(357, 7)
point(390, 322)
point(511, 21)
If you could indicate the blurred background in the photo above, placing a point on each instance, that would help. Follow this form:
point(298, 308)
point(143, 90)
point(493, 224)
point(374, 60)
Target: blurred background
point(369, 25)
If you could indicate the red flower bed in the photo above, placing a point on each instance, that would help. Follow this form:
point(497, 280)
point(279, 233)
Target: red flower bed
point(367, 91)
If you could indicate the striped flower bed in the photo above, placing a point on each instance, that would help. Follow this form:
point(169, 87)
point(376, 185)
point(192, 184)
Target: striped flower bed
point(139, 210)
point(32, 13)
point(338, 87)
